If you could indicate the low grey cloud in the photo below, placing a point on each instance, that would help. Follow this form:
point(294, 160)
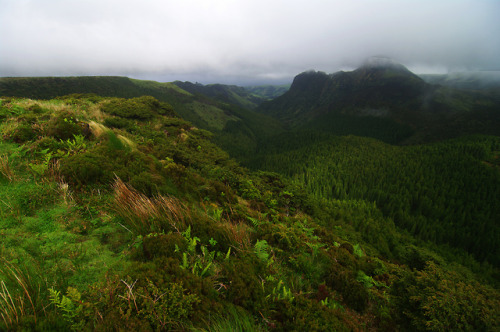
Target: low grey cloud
point(240, 41)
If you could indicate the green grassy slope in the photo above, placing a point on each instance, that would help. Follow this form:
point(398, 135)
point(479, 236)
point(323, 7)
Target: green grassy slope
point(225, 93)
point(236, 128)
point(50, 87)
point(118, 215)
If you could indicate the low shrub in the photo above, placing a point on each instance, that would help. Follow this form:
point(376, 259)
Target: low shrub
point(307, 315)
point(147, 183)
point(35, 108)
point(48, 143)
point(243, 284)
point(23, 133)
point(158, 245)
point(86, 168)
point(144, 301)
point(64, 126)
point(141, 108)
point(353, 292)
point(120, 123)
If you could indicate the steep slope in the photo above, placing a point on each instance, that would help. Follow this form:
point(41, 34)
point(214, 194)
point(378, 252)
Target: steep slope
point(384, 100)
point(441, 192)
point(118, 215)
point(231, 124)
point(204, 113)
point(226, 93)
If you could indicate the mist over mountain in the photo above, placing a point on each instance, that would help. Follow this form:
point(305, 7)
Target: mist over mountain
point(383, 96)
point(472, 80)
point(381, 99)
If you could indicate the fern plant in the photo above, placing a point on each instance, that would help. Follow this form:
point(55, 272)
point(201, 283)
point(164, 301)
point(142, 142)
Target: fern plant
point(199, 264)
point(41, 168)
point(75, 145)
point(261, 249)
point(281, 292)
point(68, 304)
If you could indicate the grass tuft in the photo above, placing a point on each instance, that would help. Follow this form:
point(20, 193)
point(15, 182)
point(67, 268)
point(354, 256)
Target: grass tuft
point(144, 215)
point(126, 142)
point(15, 306)
point(234, 319)
point(97, 129)
point(5, 168)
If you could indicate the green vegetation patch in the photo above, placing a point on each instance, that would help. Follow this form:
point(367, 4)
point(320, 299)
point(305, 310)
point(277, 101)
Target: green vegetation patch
point(126, 217)
point(215, 117)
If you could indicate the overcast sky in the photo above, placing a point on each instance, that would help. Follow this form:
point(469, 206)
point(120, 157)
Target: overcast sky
point(242, 41)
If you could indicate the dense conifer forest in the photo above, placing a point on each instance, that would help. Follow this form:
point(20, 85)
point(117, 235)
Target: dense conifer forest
point(188, 213)
point(445, 193)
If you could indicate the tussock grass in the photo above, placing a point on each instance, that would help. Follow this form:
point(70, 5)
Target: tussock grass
point(97, 129)
point(51, 105)
point(15, 305)
point(94, 112)
point(234, 319)
point(8, 126)
point(26, 102)
point(65, 192)
point(144, 215)
point(127, 142)
point(5, 168)
point(239, 233)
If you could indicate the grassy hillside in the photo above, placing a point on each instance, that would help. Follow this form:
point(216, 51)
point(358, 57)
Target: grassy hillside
point(237, 129)
point(118, 215)
point(226, 93)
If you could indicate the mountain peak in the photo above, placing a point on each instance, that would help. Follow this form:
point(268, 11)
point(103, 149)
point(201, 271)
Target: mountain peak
point(377, 62)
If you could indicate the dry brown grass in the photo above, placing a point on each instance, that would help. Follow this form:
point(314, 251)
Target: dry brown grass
point(8, 126)
point(65, 192)
point(94, 112)
point(183, 136)
point(15, 306)
point(25, 103)
point(5, 168)
point(239, 233)
point(144, 215)
point(127, 142)
point(97, 129)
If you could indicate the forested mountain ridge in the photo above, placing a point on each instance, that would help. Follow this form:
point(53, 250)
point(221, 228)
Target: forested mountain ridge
point(388, 97)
